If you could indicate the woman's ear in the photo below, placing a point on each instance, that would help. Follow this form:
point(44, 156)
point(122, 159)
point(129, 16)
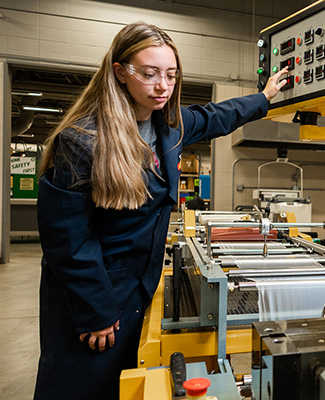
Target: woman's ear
point(119, 72)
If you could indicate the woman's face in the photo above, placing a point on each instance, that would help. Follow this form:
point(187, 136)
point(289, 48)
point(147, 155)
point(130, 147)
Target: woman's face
point(152, 96)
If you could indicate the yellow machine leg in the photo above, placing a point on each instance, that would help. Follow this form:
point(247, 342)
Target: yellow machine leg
point(149, 346)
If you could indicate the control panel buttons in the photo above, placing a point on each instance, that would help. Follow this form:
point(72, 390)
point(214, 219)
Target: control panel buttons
point(289, 83)
point(309, 56)
point(299, 41)
point(298, 60)
point(261, 85)
point(261, 43)
point(320, 72)
point(275, 69)
point(320, 52)
point(262, 57)
point(309, 36)
point(275, 51)
point(308, 76)
point(319, 31)
point(260, 70)
point(298, 79)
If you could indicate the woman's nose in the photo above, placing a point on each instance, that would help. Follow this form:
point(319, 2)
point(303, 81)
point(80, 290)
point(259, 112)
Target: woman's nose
point(162, 83)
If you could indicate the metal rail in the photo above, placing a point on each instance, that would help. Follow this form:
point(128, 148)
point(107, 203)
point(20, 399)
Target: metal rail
point(279, 225)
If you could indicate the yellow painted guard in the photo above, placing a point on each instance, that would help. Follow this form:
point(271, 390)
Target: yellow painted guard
point(149, 346)
point(140, 384)
point(189, 223)
point(312, 132)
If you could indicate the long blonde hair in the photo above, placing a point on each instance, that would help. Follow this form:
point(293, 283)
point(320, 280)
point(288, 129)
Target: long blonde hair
point(120, 156)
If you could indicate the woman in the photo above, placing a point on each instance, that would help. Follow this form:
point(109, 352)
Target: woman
point(108, 182)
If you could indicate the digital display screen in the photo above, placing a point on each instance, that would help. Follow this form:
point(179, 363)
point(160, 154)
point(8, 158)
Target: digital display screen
point(287, 46)
point(289, 83)
point(320, 53)
point(319, 72)
point(290, 62)
point(309, 56)
point(309, 36)
point(308, 76)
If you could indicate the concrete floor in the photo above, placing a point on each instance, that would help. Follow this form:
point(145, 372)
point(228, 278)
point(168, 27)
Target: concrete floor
point(19, 337)
point(19, 340)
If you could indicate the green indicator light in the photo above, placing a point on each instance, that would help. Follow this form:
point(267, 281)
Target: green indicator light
point(275, 51)
point(275, 69)
point(260, 71)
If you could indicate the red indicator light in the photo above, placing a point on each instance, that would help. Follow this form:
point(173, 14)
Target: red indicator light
point(298, 79)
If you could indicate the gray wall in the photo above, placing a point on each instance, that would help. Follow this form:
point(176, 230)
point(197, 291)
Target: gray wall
point(216, 41)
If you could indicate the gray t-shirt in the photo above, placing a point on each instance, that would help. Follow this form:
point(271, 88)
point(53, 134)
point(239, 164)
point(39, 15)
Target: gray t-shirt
point(148, 134)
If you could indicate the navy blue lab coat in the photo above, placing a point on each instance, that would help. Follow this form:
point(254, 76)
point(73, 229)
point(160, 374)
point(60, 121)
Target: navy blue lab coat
point(100, 266)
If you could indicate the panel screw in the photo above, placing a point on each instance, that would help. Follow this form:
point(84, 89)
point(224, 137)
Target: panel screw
point(210, 317)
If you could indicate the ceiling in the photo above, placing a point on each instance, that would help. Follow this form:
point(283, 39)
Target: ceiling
point(58, 89)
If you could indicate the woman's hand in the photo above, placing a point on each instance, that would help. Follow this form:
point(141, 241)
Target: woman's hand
point(272, 88)
point(103, 336)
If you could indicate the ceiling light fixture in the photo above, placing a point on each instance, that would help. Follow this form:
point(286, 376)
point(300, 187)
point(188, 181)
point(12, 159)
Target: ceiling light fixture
point(26, 135)
point(43, 109)
point(21, 93)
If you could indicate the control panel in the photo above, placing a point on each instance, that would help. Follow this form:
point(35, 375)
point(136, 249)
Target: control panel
point(299, 43)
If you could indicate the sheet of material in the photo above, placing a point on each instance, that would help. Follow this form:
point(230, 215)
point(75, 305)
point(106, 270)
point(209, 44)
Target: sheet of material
point(275, 261)
point(277, 272)
point(297, 297)
point(250, 245)
point(292, 300)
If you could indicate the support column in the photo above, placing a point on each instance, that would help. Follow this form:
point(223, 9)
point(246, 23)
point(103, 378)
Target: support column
point(5, 140)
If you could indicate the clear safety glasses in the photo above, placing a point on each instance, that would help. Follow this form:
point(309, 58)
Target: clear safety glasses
point(152, 76)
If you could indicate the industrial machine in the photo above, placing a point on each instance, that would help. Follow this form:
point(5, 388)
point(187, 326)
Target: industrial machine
point(288, 360)
point(299, 43)
point(207, 302)
point(228, 265)
point(278, 200)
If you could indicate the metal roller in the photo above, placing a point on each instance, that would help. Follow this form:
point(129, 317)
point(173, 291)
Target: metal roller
point(269, 262)
point(253, 286)
point(248, 245)
point(273, 272)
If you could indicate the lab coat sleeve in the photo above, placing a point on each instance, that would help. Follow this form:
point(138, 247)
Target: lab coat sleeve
point(214, 120)
point(72, 250)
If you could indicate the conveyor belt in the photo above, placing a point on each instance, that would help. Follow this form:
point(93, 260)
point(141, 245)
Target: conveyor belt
point(242, 303)
point(238, 302)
